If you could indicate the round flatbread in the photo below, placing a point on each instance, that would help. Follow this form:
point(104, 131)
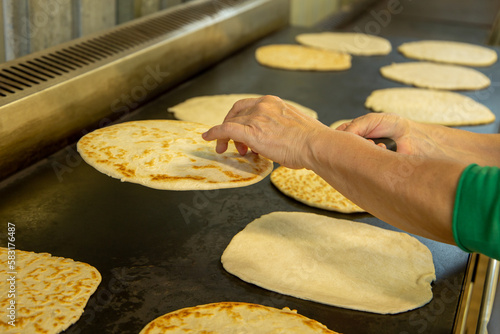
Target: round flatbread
point(234, 317)
point(170, 155)
point(347, 42)
point(49, 292)
point(449, 52)
point(212, 109)
point(309, 188)
point(303, 58)
point(430, 106)
point(333, 261)
point(436, 76)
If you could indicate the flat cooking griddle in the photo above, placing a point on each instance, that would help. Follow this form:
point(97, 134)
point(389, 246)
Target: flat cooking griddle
point(159, 251)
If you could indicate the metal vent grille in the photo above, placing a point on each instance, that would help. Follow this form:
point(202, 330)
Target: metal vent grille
point(27, 72)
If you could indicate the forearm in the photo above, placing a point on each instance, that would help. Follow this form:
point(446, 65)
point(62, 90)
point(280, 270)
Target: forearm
point(413, 193)
point(468, 147)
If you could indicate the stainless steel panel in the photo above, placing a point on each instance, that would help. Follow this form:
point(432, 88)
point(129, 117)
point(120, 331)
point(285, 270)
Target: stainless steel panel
point(97, 79)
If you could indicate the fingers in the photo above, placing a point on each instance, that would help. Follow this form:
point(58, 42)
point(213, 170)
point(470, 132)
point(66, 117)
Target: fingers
point(374, 125)
point(221, 145)
point(241, 107)
point(224, 133)
point(234, 124)
point(241, 148)
point(359, 126)
point(379, 144)
point(343, 126)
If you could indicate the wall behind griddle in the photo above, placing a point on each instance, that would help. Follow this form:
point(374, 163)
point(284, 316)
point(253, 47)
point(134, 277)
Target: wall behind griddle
point(27, 26)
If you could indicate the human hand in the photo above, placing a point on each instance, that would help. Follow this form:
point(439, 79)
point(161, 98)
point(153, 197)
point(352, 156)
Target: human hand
point(270, 127)
point(404, 132)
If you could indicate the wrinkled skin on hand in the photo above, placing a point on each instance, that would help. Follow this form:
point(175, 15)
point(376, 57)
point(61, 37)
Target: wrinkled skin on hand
point(270, 127)
point(412, 138)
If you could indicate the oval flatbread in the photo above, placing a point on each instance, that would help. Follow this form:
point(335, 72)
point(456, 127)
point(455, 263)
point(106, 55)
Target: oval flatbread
point(50, 292)
point(436, 76)
point(212, 109)
point(304, 58)
point(348, 42)
point(333, 261)
point(430, 106)
point(449, 52)
point(170, 155)
point(309, 188)
point(234, 317)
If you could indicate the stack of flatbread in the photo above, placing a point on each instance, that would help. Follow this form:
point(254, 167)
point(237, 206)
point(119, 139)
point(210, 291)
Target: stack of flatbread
point(333, 261)
point(212, 109)
point(302, 58)
point(347, 42)
point(309, 188)
point(170, 155)
point(234, 317)
point(50, 292)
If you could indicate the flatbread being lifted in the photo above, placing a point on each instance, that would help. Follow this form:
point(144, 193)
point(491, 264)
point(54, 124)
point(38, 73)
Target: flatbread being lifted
point(348, 42)
point(169, 155)
point(430, 106)
point(309, 188)
point(436, 76)
point(234, 317)
point(333, 261)
point(50, 292)
point(302, 58)
point(449, 52)
point(212, 109)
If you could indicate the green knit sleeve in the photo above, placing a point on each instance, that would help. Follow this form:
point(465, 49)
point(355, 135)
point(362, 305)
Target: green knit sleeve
point(476, 215)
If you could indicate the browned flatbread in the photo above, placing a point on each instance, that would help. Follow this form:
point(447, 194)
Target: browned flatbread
point(234, 317)
point(302, 58)
point(309, 188)
point(50, 292)
point(170, 155)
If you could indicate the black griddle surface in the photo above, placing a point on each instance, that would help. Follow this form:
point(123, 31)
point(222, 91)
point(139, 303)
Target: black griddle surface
point(159, 251)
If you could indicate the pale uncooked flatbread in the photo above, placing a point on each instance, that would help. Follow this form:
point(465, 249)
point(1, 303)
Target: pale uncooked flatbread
point(449, 52)
point(430, 106)
point(349, 42)
point(436, 76)
point(234, 317)
point(50, 292)
point(309, 188)
point(303, 58)
point(169, 154)
point(212, 109)
point(333, 261)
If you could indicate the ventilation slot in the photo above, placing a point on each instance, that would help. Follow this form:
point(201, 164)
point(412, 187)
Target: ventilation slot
point(83, 52)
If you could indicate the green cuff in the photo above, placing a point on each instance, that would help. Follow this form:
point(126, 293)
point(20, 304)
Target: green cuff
point(476, 214)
